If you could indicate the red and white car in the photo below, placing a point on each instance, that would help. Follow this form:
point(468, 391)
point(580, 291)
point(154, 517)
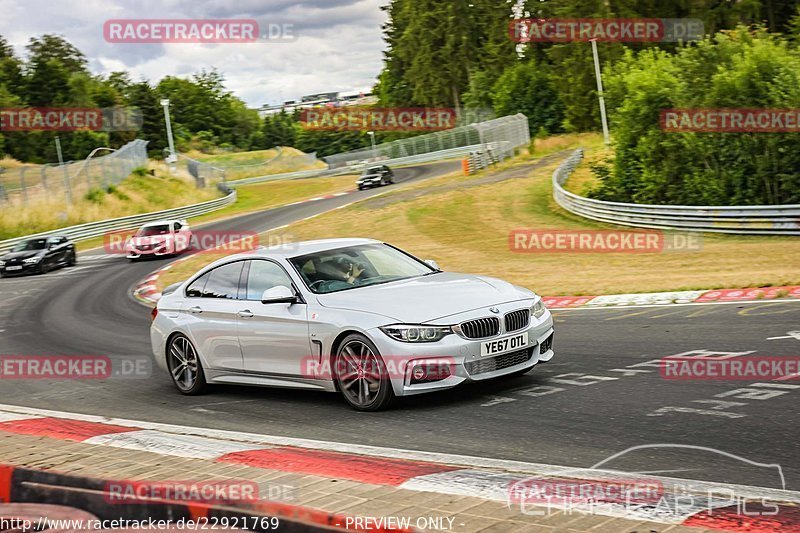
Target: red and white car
point(155, 239)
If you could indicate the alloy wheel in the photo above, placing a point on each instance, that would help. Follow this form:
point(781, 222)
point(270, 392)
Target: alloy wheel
point(359, 373)
point(183, 363)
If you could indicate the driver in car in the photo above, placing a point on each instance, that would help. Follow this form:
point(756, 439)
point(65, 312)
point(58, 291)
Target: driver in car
point(353, 273)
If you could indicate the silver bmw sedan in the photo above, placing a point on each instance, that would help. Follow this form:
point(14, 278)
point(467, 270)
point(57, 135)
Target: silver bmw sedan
point(357, 316)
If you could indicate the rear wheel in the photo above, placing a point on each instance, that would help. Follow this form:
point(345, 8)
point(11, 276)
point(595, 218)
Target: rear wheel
point(361, 374)
point(72, 259)
point(185, 367)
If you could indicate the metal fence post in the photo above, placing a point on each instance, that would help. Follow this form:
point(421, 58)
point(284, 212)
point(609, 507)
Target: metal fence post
point(22, 184)
point(43, 175)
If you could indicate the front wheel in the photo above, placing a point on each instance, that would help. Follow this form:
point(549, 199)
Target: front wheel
point(185, 367)
point(361, 374)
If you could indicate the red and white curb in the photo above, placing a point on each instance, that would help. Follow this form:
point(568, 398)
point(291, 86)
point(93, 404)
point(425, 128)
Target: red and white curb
point(674, 297)
point(456, 475)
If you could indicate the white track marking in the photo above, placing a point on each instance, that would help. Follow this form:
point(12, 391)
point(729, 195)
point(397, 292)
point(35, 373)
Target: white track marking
point(789, 335)
point(170, 444)
point(13, 417)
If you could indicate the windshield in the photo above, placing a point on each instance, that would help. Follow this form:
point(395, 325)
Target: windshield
point(33, 244)
point(149, 231)
point(373, 170)
point(356, 266)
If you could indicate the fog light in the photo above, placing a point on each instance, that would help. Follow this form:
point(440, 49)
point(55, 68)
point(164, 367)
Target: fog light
point(429, 372)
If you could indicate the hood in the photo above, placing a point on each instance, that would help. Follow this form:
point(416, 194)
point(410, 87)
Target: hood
point(426, 298)
point(154, 239)
point(369, 176)
point(21, 255)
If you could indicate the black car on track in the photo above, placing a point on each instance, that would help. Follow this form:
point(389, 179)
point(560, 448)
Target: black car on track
point(38, 255)
point(375, 177)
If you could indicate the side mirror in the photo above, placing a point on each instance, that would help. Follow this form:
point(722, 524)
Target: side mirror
point(280, 294)
point(433, 264)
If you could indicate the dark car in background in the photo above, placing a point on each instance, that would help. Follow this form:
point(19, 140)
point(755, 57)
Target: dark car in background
point(38, 256)
point(375, 177)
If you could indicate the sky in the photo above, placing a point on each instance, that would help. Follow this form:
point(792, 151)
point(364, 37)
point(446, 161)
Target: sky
point(337, 44)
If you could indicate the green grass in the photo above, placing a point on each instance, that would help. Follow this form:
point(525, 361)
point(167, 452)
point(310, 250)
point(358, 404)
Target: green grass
point(236, 158)
point(240, 165)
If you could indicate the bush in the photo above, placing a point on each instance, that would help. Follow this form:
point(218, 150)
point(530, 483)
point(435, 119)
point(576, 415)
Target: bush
point(737, 69)
point(95, 196)
point(528, 88)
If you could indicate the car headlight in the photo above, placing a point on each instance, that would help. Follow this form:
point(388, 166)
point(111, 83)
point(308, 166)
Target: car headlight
point(2, 263)
point(31, 260)
point(538, 309)
point(412, 333)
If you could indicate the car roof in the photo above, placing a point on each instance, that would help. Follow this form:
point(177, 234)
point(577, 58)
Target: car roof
point(159, 223)
point(295, 249)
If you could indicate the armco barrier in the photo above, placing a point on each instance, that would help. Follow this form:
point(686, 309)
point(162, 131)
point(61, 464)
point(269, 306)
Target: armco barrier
point(61, 496)
point(750, 219)
point(97, 229)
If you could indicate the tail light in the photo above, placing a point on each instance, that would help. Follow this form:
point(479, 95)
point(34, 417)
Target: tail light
point(153, 314)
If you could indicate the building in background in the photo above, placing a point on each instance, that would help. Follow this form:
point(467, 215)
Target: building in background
point(331, 99)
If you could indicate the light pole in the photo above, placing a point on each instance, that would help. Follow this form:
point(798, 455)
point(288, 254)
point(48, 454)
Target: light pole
point(172, 158)
point(67, 188)
point(600, 91)
point(372, 140)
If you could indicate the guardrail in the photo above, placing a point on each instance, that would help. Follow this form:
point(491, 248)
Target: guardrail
point(748, 219)
point(96, 229)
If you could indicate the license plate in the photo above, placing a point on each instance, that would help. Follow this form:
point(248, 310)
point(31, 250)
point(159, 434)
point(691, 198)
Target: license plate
point(14, 268)
point(507, 344)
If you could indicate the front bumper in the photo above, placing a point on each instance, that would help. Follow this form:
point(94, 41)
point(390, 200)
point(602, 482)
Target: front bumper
point(136, 253)
point(369, 182)
point(17, 269)
point(463, 356)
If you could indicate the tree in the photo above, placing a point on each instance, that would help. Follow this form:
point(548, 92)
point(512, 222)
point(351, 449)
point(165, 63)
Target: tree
point(528, 88)
point(10, 69)
point(738, 69)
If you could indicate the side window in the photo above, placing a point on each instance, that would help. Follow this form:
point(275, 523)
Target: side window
point(265, 275)
point(195, 290)
point(178, 226)
point(223, 281)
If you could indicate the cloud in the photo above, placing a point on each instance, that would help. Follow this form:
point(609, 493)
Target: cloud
point(338, 45)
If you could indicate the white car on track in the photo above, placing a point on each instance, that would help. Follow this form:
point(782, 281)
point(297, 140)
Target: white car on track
point(156, 239)
point(354, 315)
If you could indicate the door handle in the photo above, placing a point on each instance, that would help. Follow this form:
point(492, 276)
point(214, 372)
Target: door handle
point(196, 309)
point(246, 313)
